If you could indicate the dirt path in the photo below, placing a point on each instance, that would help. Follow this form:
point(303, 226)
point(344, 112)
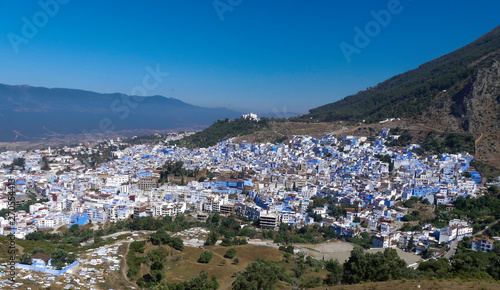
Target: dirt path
point(123, 268)
point(477, 142)
point(478, 139)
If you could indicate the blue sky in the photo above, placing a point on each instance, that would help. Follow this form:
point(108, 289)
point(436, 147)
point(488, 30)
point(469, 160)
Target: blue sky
point(260, 56)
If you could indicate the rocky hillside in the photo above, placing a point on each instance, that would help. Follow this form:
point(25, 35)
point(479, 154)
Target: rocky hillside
point(473, 106)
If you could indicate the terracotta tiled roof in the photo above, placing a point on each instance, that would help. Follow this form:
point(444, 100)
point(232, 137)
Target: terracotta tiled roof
point(41, 256)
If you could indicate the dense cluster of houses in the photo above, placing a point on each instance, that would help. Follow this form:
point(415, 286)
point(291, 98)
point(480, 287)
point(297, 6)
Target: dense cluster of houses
point(272, 182)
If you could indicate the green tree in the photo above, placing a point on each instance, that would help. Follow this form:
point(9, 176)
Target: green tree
point(226, 242)
point(158, 254)
point(411, 244)
point(212, 238)
point(259, 274)
point(335, 272)
point(74, 228)
point(379, 266)
point(355, 267)
point(230, 253)
point(157, 259)
point(436, 269)
point(71, 258)
point(300, 267)
point(201, 281)
point(137, 246)
point(215, 219)
point(494, 190)
point(25, 258)
point(243, 283)
point(38, 250)
point(45, 162)
point(59, 258)
point(98, 240)
point(471, 264)
point(160, 237)
point(19, 162)
point(205, 257)
point(177, 243)
point(427, 253)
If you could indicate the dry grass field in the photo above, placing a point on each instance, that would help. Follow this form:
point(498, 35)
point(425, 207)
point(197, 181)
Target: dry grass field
point(183, 265)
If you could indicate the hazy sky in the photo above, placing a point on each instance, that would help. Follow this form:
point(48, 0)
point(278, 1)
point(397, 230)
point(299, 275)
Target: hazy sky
point(247, 55)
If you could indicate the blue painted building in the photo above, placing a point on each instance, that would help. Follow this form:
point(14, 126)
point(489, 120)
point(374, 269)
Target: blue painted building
point(78, 219)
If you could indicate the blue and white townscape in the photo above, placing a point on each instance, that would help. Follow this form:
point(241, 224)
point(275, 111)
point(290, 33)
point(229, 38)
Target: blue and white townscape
point(274, 182)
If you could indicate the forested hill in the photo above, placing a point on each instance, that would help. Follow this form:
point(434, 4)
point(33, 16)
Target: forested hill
point(222, 130)
point(412, 93)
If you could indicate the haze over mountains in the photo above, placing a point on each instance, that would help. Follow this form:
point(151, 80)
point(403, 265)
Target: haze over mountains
point(33, 113)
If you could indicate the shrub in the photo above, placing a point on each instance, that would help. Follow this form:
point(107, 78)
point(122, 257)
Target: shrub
point(205, 257)
point(230, 253)
point(226, 242)
point(288, 249)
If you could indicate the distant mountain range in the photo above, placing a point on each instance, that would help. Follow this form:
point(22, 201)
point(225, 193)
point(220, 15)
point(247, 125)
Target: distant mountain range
point(36, 113)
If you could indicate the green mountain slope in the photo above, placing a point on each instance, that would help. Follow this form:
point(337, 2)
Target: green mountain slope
point(412, 93)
